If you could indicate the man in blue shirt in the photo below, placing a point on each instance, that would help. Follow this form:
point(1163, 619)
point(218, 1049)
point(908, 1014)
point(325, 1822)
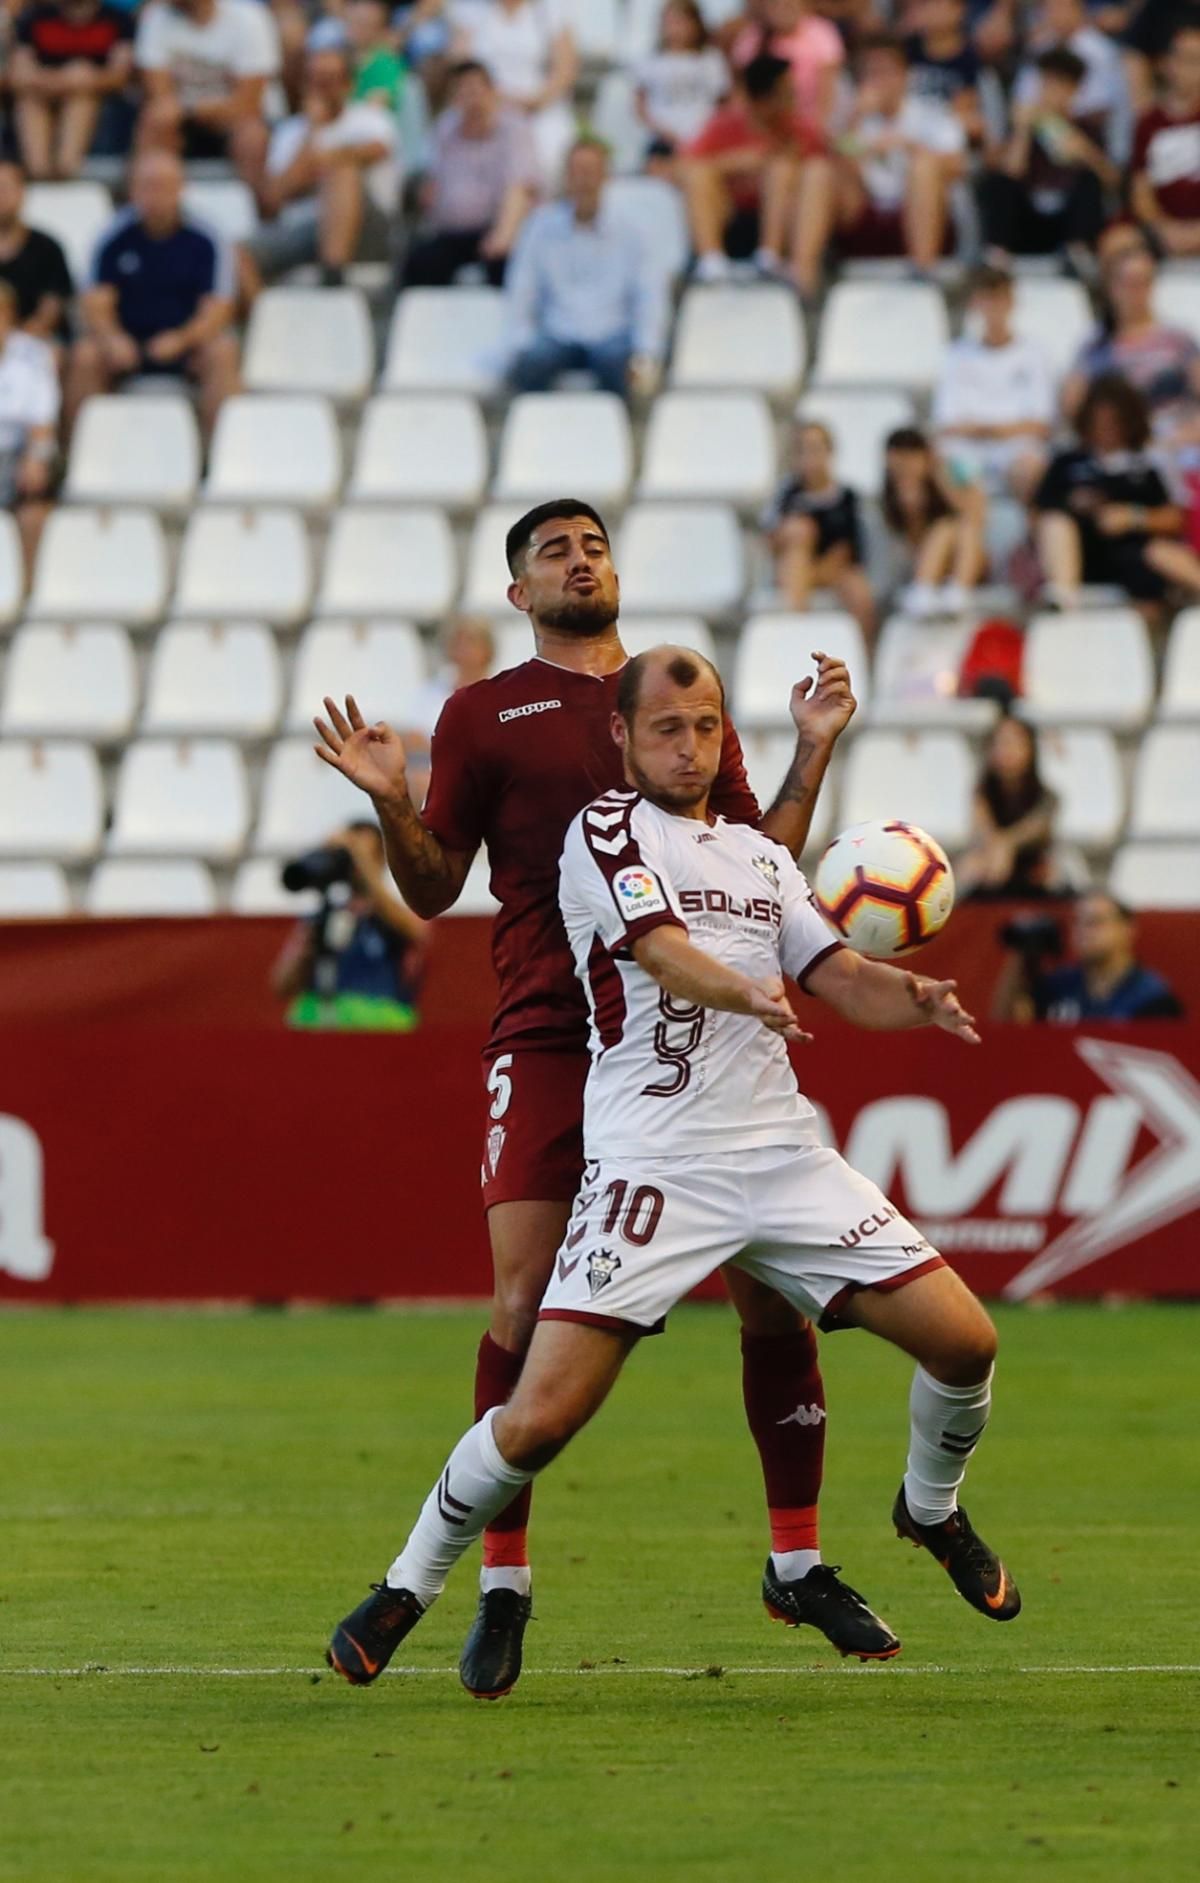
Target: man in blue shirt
point(160, 296)
point(582, 291)
point(1106, 982)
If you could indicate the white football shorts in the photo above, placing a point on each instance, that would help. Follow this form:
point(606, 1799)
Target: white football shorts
point(644, 1232)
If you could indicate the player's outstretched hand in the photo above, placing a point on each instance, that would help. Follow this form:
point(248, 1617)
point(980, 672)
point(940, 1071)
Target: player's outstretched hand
point(940, 1005)
point(824, 707)
point(371, 757)
point(770, 1004)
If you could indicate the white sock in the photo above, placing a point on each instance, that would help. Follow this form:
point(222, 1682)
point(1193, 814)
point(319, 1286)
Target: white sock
point(794, 1565)
point(946, 1424)
point(476, 1483)
point(516, 1576)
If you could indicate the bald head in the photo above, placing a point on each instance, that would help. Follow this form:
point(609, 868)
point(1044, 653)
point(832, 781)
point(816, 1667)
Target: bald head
point(156, 190)
point(661, 670)
point(670, 726)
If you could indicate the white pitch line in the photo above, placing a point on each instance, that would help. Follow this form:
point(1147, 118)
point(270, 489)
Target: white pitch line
point(684, 1673)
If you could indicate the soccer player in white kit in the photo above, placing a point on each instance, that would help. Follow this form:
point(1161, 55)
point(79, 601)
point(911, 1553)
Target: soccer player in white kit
point(701, 1150)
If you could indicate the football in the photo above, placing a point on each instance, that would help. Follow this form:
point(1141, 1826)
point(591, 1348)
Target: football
point(886, 887)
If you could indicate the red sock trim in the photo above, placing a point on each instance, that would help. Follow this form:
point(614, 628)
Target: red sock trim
point(796, 1529)
point(505, 1549)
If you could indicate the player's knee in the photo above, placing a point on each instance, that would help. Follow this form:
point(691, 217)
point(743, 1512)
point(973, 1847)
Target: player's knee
point(534, 1427)
point(971, 1354)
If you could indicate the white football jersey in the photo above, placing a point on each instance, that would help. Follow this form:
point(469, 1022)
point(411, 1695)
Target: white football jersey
point(668, 1078)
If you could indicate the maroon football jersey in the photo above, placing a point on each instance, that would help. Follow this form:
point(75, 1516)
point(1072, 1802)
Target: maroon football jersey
point(515, 758)
point(1167, 148)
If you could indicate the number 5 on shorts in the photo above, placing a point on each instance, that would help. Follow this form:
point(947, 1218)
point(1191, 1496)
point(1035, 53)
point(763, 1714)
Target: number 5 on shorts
point(499, 1084)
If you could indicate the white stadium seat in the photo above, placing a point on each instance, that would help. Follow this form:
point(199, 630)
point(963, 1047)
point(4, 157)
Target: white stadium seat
point(710, 444)
point(310, 340)
point(100, 563)
point(487, 576)
point(925, 778)
point(768, 756)
point(421, 448)
point(860, 423)
point(32, 889)
point(257, 890)
point(1166, 784)
point(75, 214)
point(917, 664)
point(1082, 767)
point(215, 677)
point(1056, 313)
point(882, 333)
point(574, 441)
point(446, 340)
point(12, 569)
point(615, 119)
point(225, 203)
point(51, 799)
point(1181, 669)
point(1157, 875)
point(1177, 297)
point(248, 564)
point(144, 450)
point(598, 27)
point(275, 449)
point(740, 336)
point(379, 662)
point(1089, 669)
point(180, 795)
point(78, 681)
point(131, 886)
point(655, 209)
point(389, 562)
point(774, 651)
point(681, 558)
point(303, 799)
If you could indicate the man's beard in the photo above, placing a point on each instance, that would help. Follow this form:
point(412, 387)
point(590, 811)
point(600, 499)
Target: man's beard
point(582, 615)
point(673, 798)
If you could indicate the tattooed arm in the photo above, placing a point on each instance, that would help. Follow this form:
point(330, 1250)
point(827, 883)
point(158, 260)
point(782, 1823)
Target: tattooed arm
point(820, 711)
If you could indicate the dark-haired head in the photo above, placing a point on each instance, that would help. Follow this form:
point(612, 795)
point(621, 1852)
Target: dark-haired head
point(562, 570)
point(762, 77)
point(1114, 415)
point(517, 542)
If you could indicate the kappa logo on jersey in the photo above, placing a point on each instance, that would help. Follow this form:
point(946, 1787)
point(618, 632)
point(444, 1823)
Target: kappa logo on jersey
point(769, 869)
point(527, 712)
point(638, 892)
point(602, 1266)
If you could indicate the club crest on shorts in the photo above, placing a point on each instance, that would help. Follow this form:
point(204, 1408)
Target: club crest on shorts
point(602, 1266)
point(495, 1144)
point(768, 869)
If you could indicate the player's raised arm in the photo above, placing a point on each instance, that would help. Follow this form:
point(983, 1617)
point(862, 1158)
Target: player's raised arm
point(700, 980)
point(888, 999)
point(428, 875)
point(821, 710)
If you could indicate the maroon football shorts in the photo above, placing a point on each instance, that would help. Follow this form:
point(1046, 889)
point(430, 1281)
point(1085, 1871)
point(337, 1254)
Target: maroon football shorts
point(533, 1130)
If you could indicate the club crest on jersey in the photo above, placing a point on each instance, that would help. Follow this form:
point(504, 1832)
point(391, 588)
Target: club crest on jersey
point(638, 892)
point(768, 869)
point(602, 1266)
point(495, 1144)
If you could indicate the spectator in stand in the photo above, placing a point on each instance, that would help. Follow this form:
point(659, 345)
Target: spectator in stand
point(1043, 190)
point(1012, 821)
point(1104, 513)
point(331, 180)
point(937, 528)
point(32, 263)
point(1101, 106)
point(29, 405)
point(814, 531)
point(481, 184)
point(885, 189)
point(943, 64)
point(206, 66)
point(160, 298)
point(1105, 982)
point(1146, 42)
point(468, 649)
point(423, 34)
point(993, 405)
point(1165, 195)
point(794, 31)
point(69, 57)
point(583, 292)
point(379, 71)
point(529, 49)
point(679, 86)
point(742, 174)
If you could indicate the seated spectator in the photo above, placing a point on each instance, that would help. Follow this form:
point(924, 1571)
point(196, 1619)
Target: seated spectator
point(529, 49)
point(481, 183)
point(468, 649)
point(32, 263)
point(1013, 819)
point(677, 89)
point(379, 71)
point(1165, 193)
point(160, 298)
point(814, 531)
point(29, 403)
point(1043, 189)
point(69, 57)
point(1104, 513)
point(993, 405)
point(793, 30)
point(1146, 40)
point(943, 64)
point(423, 34)
point(1106, 981)
point(582, 291)
point(741, 175)
point(937, 528)
point(885, 190)
point(1101, 106)
point(331, 179)
point(206, 65)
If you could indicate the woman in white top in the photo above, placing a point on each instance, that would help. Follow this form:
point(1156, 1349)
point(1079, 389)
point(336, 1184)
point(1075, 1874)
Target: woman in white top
point(679, 87)
point(29, 406)
point(529, 49)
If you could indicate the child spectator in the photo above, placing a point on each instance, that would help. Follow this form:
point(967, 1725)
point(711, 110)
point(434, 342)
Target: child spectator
point(1043, 191)
point(378, 67)
point(814, 531)
point(993, 405)
point(1012, 821)
point(943, 64)
point(937, 528)
point(1166, 152)
point(794, 31)
point(678, 88)
point(1101, 106)
point(69, 57)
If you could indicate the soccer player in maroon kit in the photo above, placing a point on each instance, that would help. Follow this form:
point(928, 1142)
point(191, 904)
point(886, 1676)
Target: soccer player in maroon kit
point(515, 758)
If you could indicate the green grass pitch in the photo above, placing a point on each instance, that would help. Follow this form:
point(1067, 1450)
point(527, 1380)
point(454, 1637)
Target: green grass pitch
point(207, 1492)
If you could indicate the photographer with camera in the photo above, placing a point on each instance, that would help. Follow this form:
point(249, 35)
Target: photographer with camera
point(357, 962)
point(1105, 982)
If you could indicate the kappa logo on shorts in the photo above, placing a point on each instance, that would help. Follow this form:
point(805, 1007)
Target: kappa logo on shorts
point(602, 1266)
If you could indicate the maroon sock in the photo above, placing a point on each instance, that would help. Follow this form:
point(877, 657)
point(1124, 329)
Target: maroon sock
point(497, 1371)
point(784, 1396)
